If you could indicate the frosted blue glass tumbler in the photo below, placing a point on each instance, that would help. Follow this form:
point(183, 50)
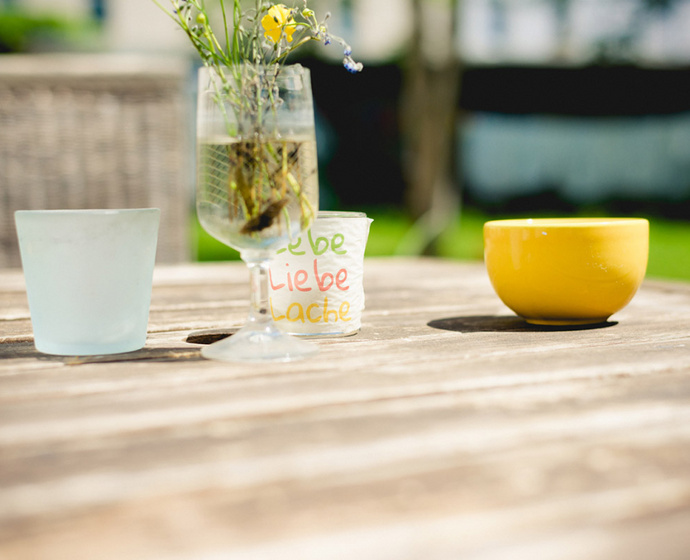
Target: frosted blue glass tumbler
point(88, 277)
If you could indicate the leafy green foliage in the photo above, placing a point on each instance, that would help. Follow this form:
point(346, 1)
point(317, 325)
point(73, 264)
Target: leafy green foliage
point(19, 29)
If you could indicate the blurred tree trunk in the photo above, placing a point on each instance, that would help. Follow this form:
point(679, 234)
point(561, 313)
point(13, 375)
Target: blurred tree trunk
point(429, 123)
point(562, 17)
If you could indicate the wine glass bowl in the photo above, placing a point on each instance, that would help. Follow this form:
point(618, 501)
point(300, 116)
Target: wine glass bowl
point(257, 180)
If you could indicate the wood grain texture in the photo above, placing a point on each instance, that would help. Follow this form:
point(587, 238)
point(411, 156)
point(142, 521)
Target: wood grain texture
point(446, 429)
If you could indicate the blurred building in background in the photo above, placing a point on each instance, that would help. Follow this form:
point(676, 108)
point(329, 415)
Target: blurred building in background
point(575, 32)
point(585, 100)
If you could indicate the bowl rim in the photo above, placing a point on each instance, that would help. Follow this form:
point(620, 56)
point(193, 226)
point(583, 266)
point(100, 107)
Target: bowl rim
point(570, 222)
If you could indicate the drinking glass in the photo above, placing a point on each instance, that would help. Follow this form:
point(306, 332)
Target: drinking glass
point(257, 185)
point(88, 277)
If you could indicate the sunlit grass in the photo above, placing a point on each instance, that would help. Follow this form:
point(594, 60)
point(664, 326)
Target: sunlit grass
point(669, 249)
point(669, 240)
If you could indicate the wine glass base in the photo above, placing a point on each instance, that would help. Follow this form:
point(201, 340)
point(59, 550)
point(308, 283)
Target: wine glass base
point(265, 345)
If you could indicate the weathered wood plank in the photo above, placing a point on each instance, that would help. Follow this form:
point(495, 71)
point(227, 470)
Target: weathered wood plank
point(447, 428)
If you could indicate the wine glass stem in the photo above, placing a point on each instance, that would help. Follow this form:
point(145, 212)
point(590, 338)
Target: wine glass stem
point(259, 311)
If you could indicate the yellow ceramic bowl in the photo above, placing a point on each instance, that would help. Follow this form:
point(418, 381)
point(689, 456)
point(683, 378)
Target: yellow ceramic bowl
point(566, 271)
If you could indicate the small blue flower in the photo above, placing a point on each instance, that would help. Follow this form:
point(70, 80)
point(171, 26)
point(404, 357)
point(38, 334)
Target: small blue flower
point(351, 66)
point(347, 51)
point(349, 63)
point(327, 40)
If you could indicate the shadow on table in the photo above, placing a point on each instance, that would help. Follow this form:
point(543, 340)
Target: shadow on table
point(143, 355)
point(26, 349)
point(504, 323)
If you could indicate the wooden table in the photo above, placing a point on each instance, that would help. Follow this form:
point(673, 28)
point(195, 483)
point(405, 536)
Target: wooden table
point(446, 429)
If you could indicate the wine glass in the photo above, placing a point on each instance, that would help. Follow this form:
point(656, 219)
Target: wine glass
point(257, 185)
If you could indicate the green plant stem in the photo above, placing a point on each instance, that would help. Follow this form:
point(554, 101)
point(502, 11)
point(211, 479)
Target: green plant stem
point(237, 22)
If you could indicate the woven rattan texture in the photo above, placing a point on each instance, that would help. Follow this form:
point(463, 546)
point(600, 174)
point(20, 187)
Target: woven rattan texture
point(114, 138)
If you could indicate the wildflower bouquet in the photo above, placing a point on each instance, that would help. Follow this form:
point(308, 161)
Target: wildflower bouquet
point(267, 34)
point(261, 171)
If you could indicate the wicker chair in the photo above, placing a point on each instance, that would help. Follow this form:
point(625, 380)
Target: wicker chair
point(96, 131)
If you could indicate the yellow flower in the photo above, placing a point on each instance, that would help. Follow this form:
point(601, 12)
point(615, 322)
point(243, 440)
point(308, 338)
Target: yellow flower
point(278, 21)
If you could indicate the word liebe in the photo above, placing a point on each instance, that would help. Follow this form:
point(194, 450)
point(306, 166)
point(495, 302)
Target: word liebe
point(318, 247)
point(301, 278)
point(324, 281)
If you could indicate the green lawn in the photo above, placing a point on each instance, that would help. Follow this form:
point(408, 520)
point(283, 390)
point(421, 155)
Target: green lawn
point(669, 241)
